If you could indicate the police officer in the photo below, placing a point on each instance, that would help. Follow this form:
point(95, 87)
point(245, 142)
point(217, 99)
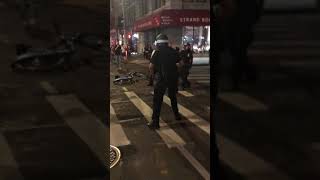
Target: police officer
point(240, 35)
point(187, 60)
point(164, 65)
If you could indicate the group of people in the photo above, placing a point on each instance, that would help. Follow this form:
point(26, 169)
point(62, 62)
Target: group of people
point(147, 51)
point(119, 53)
point(185, 57)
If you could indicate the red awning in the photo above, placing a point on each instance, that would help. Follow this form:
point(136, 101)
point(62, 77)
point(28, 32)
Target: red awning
point(172, 17)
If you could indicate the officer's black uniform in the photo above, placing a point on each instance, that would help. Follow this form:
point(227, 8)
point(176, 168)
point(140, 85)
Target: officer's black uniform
point(186, 57)
point(240, 36)
point(164, 60)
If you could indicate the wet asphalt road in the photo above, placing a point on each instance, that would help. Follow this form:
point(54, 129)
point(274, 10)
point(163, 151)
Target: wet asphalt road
point(269, 130)
point(160, 154)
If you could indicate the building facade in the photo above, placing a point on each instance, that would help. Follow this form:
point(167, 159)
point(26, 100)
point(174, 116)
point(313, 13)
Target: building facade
point(183, 21)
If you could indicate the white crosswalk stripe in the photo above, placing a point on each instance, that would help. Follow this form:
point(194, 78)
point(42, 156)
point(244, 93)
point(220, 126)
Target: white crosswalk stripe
point(246, 163)
point(84, 123)
point(192, 117)
point(117, 134)
point(243, 102)
point(9, 166)
point(77, 117)
point(200, 74)
point(171, 138)
point(185, 93)
point(168, 135)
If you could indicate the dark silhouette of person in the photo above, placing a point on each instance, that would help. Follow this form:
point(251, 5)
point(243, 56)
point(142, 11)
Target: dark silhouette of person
point(240, 36)
point(164, 65)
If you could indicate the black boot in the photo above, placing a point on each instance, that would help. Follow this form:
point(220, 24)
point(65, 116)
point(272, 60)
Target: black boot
point(177, 116)
point(154, 124)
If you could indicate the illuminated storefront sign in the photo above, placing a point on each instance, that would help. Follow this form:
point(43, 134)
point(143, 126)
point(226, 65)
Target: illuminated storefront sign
point(172, 17)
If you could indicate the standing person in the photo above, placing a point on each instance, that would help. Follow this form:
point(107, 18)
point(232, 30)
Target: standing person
point(145, 52)
point(240, 36)
point(187, 61)
point(164, 62)
point(118, 54)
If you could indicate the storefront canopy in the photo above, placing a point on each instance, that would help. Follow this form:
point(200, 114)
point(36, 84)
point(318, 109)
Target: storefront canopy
point(172, 17)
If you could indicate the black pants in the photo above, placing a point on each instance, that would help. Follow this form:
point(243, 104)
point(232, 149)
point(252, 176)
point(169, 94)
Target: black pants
point(241, 67)
point(150, 79)
point(185, 71)
point(159, 91)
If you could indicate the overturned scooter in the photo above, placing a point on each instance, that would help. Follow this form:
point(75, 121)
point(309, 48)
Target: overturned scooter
point(57, 57)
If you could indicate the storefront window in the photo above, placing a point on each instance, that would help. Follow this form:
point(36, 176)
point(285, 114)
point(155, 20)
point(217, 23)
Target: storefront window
point(198, 37)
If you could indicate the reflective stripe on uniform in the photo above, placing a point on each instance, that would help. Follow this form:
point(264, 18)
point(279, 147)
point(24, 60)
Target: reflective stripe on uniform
point(162, 41)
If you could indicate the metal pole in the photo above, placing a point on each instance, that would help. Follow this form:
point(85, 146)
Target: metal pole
point(192, 37)
point(124, 24)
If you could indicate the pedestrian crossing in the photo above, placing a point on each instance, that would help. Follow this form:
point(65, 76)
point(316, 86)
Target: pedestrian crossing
point(117, 135)
point(7, 160)
point(200, 74)
point(89, 132)
point(168, 135)
point(237, 157)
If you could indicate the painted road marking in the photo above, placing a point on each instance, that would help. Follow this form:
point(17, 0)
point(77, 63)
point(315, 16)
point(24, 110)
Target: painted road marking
point(122, 121)
point(83, 122)
point(48, 87)
point(35, 127)
point(287, 43)
point(170, 137)
point(118, 101)
point(117, 134)
point(284, 52)
point(204, 82)
point(243, 101)
point(198, 78)
point(125, 89)
point(197, 75)
point(200, 71)
point(185, 93)
point(9, 166)
point(195, 163)
point(246, 163)
point(192, 117)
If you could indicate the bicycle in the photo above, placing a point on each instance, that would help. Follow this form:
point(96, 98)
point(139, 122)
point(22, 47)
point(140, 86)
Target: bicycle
point(129, 79)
